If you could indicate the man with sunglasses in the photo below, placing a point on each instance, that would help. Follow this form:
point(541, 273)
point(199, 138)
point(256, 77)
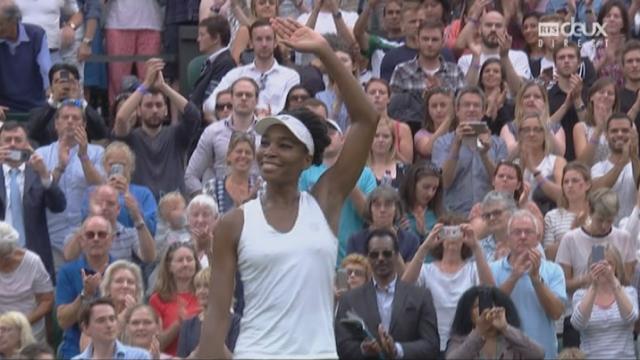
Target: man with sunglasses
point(402, 325)
point(127, 241)
point(209, 159)
point(79, 281)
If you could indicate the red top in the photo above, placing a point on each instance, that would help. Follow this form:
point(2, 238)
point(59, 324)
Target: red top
point(168, 312)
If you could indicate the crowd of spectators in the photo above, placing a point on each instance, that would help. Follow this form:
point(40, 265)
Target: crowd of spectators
point(498, 215)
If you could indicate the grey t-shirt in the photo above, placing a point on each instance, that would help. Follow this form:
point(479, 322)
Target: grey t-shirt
point(160, 160)
point(18, 289)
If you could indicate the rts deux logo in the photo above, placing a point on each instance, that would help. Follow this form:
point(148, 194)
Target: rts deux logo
point(571, 29)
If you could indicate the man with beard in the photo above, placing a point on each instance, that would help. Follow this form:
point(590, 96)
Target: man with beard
point(274, 80)
point(76, 165)
point(428, 69)
point(620, 171)
point(492, 32)
point(403, 322)
point(628, 95)
point(65, 85)
point(160, 150)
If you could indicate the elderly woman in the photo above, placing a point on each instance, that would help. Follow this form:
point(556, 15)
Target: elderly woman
point(497, 207)
point(190, 329)
point(15, 333)
point(202, 216)
point(119, 164)
point(384, 210)
point(24, 283)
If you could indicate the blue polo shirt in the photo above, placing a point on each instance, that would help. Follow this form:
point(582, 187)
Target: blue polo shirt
point(120, 352)
point(350, 221)
point(534, 320)
point(68, 287)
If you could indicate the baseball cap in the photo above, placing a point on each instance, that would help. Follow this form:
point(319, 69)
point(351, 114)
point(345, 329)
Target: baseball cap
point(297, 128)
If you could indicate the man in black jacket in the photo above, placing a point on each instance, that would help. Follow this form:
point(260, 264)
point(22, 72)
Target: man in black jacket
point(213, 40)
point(64, 80)
point(400, 317)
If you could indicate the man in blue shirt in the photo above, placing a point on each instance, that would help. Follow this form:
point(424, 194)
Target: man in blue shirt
point(76, 165)
point(25, 59)
point(78, 281)
point(467, 156)
point(535, 285)
point(100, 323)
point(351, 216)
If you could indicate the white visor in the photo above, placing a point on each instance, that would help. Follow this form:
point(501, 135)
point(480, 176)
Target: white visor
point(294, 125)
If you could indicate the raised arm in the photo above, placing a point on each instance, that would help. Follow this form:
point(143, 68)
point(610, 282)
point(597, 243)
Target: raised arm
point(335, 184)
point(122, 127)
point(360, 27)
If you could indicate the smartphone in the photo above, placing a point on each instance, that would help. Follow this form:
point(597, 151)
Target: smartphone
point(116, 169)
point(484, 301)
point(479, 127)
point(89, 272)
point(597, 253)
point(451, 232)
point(19, 155)
point(342, 279)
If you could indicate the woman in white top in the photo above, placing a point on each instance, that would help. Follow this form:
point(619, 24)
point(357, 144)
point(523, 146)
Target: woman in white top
point(542, 169)
point(284, 242)
point(459, 265)
point(605, 312)
point(572, 210)
point(589, 137)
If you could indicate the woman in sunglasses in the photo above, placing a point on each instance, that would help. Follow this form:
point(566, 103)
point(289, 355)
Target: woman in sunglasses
point(459, 264)
point(284, 242)
point(296, 97)
point(224, 106)
point(358, 270)
point(174, 298)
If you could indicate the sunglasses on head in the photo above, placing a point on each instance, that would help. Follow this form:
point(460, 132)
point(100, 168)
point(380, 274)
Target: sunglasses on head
point(387, 254)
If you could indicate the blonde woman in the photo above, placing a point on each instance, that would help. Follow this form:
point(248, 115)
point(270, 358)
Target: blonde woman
point(542, 169)
point(533, 98)
point(142, 328)
point(382, 156)
point(15, 333)
point(122, 283)
point(190, 329)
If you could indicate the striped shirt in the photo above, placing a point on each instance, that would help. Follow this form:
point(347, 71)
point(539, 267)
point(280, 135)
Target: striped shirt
point(605, 334)
point(557, 222)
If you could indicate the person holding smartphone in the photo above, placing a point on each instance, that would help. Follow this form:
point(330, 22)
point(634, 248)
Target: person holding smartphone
point(459, 264)
point(486, 325)
point(606, 311)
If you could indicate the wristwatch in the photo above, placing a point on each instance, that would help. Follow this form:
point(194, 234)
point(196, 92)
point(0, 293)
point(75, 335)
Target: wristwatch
point(87, 41)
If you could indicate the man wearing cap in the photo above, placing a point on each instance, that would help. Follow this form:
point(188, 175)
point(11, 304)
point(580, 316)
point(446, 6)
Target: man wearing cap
point(210, 155)
point(351, 220)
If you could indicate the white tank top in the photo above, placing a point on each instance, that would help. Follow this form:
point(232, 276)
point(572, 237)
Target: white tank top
point(288, 285)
